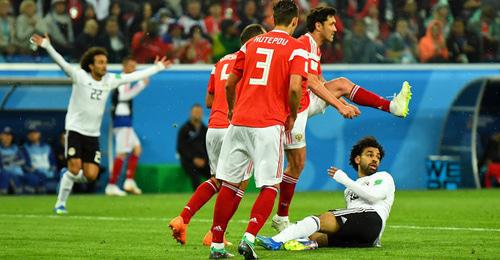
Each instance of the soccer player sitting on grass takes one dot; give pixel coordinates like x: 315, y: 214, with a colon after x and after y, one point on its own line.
x: 369, y: 200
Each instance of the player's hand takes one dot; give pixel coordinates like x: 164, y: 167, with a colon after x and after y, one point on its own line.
x: 357, y: 112
x: 164, y: 61
x: 38, y: 40
x: 331, y: 171
x: 199, y: 162
x: 290, y: 121
x: 347, y: 112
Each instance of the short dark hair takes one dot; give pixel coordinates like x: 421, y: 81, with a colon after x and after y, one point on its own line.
x: 319, y: 15
x: 127, y: 59
x: 284, y: 11
x: 365, y: 142
x: 88, y: 57
x: 251, y: 31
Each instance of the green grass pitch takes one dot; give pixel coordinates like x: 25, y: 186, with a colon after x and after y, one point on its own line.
x: 422, y: 225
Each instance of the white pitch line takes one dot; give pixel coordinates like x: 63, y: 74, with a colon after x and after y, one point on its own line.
x: 104, y: 218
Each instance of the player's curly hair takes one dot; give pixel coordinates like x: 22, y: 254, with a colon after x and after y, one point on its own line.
x: 88, y: 57
x: 319, y: 15
x: 284, y: 11
x: 365, y: 142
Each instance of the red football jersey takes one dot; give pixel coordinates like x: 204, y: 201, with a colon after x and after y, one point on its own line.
x: 314, y: 53
x: 217, y: 87
x: 265, y: 64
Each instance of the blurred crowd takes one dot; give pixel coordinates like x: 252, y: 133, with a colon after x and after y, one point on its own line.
x: 203, y: 31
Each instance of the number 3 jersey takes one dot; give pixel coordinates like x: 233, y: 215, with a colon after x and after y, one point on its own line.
x: 265, y: 64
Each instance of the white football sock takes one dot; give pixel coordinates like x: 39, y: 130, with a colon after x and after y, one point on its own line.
x: 65, y: 188
x: 303, y: 228
x: 249, y: 237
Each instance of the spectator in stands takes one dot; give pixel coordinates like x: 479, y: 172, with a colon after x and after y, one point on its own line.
x: 227, y: 41
x: 415, y: 22
x: 486, y: 25
x: 214, y: 19
x: 40, y: 162
x: 372, y: 23
x: 115, y: 10
x: 25, y: 26
x: 101, y: 8
x: 192, y: 17
x: 113, y: 40
x: 248, y: 14
x: 11, y: 163
x: 198, y: 49
x: 7, y: 33
x: 144, y: 15
x: 175, y: 39
x: 401, y: 47
x: 57, y: 24
x: 358, y: 48
x: 89, y: 13
x: 87, y: 39
x: 191, y: 146
x: 432, y: 47
x: 147, y: 45
x: 463, y: 47
x: 441, y: 12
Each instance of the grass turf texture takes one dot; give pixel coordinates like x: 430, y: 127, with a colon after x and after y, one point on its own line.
x: 424, y: 224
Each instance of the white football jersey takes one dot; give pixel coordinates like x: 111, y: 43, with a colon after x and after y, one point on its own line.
x: 380, y: 183
x: 88, y: 96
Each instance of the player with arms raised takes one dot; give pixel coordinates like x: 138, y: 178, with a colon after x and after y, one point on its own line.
x: 271, y: 68
x: 91, y: 87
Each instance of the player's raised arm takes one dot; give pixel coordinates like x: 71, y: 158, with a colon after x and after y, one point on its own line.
x: 159, y: 65
x: 129, y: 92
x: 373, y: 193
x: 44, y: 42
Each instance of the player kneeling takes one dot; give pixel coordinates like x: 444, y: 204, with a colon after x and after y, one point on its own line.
x: 369, y: 200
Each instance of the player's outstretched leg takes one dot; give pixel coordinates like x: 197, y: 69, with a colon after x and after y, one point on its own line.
x: 398, y: 106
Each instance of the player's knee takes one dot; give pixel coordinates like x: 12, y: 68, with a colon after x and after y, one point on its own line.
x: 244, y: 185
x: 74, y: 168
x: 91, y: 176
x: 328, y: 222
x: 217, y: 182
x: 121, y: 156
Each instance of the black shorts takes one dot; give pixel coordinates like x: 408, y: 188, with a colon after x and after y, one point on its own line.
x: 82, y: 147
x: 358, y: 228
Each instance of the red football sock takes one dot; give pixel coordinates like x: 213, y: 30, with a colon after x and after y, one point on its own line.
x: 367, y: 98
x: 222, y: 213
x: 203, y: 193
x: 117, y: 169
x: 131, y: 166
x: 287, y: 189
x: 237, y: 200
x: 261, y: 209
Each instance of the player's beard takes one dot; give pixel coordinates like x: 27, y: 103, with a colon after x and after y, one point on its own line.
x: 368, y: 170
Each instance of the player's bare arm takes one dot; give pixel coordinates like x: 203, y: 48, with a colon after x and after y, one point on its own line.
x: 209, y: 99
x: 294, y: 94
x: 231, y: 93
